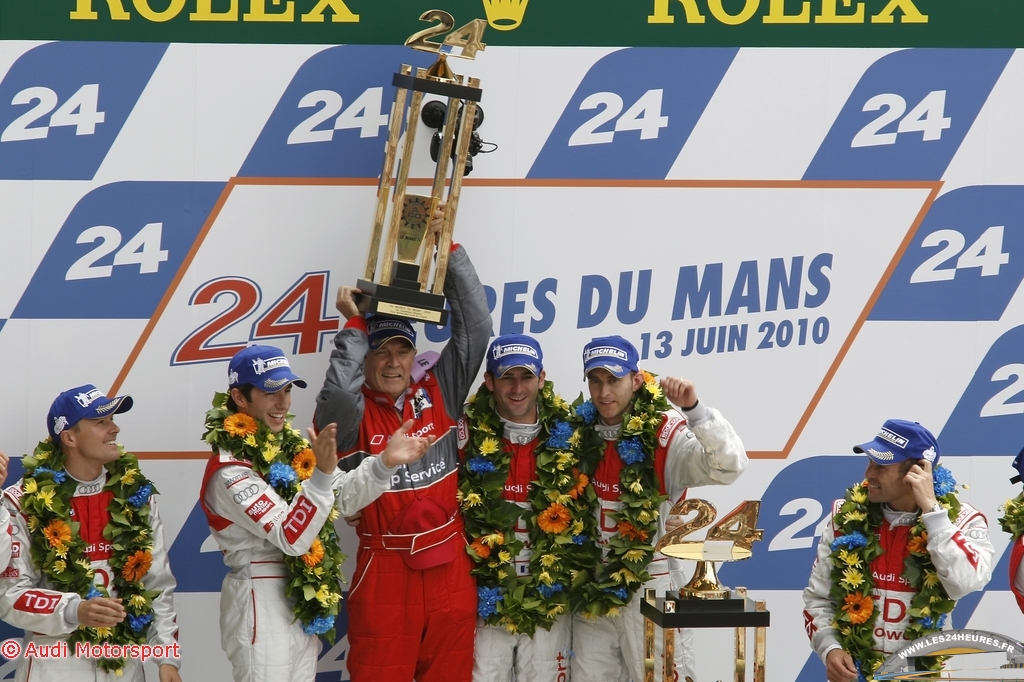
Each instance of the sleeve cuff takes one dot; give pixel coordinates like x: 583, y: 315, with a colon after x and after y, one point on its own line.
x: 381, y: 472
x: 936, y: 521
x: 698, y: 414
x: 356, y: 322
x: 71, y: 610
x: 320, y: 482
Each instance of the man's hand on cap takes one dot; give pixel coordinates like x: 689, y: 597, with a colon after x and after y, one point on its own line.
x: 680, y: 392
x: 346, y: 301
x: 919, y: 478
x: 325, y: 447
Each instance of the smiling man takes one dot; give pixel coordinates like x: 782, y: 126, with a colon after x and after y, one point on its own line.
x: 258, y: 514
x: 75, y: 562
x: 697, y: 447
x: 899, y: 534
x: 513, y: 385
x: 412, y: 605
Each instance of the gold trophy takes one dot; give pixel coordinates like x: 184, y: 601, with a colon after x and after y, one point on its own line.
x: 704, y: 602
x: 401, y: 290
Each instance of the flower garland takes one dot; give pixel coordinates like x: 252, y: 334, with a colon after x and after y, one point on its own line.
x: 853, y: 550
x: 284, y: 460
x: 630, y: 549
x: 1012, y: 520
x: 60, y: 551
x: 560, y: 518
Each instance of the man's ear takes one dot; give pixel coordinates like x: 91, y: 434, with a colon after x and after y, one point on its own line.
x: 238, y: 397
x: 489, y: 381
x: 67, y: 438
x: 638, y: 380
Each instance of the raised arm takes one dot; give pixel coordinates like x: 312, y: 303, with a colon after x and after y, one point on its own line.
x: 340, y: 401
x: 471, y: 331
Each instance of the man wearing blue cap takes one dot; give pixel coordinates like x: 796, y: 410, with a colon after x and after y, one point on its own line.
x: 517, y: 408
x: 89, y: 550
x: 901, y: 549
x: 266, y: 495
x: 626, y: 410
x: 412, y: 606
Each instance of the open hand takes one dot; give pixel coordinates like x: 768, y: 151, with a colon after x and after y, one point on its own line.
x: 325, y: 447
x: 402, y: 449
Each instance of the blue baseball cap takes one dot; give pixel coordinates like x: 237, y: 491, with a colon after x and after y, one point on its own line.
x: 382, y: 329
x: 613, y: 353
x: 264, y: 367
x: 898, y: 440
x: 514, y: 350
x: 82, y: 402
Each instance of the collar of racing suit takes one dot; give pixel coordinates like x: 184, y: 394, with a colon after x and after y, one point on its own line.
x: 607, y: 431
x: 92, y: 487
x: 520, y: 434
x: 899, y: 518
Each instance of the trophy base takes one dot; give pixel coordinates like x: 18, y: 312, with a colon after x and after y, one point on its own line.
x: 398, y: 301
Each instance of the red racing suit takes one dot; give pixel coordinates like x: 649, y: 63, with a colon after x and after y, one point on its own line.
x: 960, y: 550
x: 701, y: 449
x: 254, y: 528
x: 412, y: 601
x: 49, y: 616
x: 1017, y: 571
x: 545, y: 656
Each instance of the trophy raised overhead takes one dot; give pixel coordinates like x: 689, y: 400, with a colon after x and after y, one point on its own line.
x: 401, y: 286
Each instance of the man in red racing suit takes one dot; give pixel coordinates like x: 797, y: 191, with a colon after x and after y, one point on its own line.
x: 899, y: 477
x: 412, y: 602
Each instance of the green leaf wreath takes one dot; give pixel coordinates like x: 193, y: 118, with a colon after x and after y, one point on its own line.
x: 284, y: 460
x: 560, y: 518
x: 59, y: 550
x: 630, y: 550
x: 856, y: 546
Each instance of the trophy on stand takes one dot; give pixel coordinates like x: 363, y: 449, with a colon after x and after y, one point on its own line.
x: 704, y: 602
x: 400, y: 288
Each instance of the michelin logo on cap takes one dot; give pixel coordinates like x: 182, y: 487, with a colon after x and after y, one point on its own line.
x: 894, y: 438
x: 513, y: 348
x: 605, y: 352
x: 87, y: 399
x: 261, y: 366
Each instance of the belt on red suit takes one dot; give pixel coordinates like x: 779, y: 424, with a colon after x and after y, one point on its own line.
x: 414, y: 542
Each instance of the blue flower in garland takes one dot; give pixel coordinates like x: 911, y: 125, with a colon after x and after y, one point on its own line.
x: 579, y: 539
x: 943, y: 481
x: 560, y: 434
x: 587, y: 412
x: 619, y: 592
x: 854, y: 540
x: 93, y: 592
x: 631, y: 450
x: 930, y: 622
x: 281, y: 474
x: 480, y: 465
x: 547, y: 590
x: 860, y: 675
x: 319, y: 625
x: 58, y: 476
x: 141, y: 496
x: 138, y: 623
x: 487, y: 600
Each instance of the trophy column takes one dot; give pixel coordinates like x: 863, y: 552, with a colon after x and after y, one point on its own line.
x: 398, y: 287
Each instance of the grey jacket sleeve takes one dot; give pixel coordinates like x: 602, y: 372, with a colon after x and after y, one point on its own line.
x: 471, y: 331
x: 341, y: 399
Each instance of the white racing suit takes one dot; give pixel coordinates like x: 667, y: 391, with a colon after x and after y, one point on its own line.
x: 960, y: 550
x: 5, y: 538
x: 545, y: 656
x: 255, y: 528
x: 702, y: 449
x: 49, y: 616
